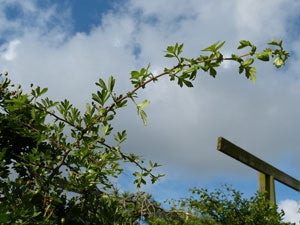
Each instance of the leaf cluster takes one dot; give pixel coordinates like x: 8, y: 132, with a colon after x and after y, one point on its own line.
x: 62, y: 159
x: 187, y: 68
x: 223, y: 206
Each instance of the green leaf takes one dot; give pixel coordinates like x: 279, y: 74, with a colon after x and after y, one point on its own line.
x: 188, y: 83
x: 143, y: 72
x: 120, y: 137
x: 169, y: 55
x: 101, y: 97
x: 273, y: 42
x: 143, y: 116
x: 111, y: 83
x: 143, y: 181
x: 180, y: 81
x: 179, y: 50
x: 253, y: 50
x: 121, y: 104
x: 243, y: 44
x: 247, y: 62
x: 104, y: 96
x: 193, y: 75
x: 135, y: 74
x: 264, y: 56
x: 102, y: 84
x: 241, y: 69
x: 151, y: 164
x: 4, y: 218
x: 211, y: 48
x: 2, y: 153
x: 171, y: 49
x: 35, y: 214
x: 105, y: 129
x: 44, y: 90
x: 172, y: 77
x: 278, y: 62
x: 212, y: 72
x: 252, y: 72
x: 190, y: 70
x: 205, y: 68
x: 97, y: 98
x: 236, y: 58
x: 143, y: 104
x: 220, y: 46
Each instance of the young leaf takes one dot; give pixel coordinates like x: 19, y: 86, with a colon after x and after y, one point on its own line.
x: 120, y: 137
x: 135, y: 74
x: 171, y: 49
x: 143, y: 104
x: 96, y: 98
x: 180, y: 82
x: 241, y: 69
x: 111, y: 83
x: 236, y: 58
x: 44, y: 90
x: 212, y: 72
x: 188, y: 83
x: 278, y: 62
x: 264, y: 56
x: 179, y: 49
x: 252, y: 72
x: 105, y: 129
x: 243, y: 44
x: 169, y: 55
x: 193, y: 75
x: 101, y: 84
x: 220, y: 46
x: 273, y: 42
x: 143, y: 116
x: 248, y: 62
x: 211, y: 48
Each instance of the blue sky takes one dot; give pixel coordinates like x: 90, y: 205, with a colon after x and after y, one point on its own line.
x: 68, y: 45
x: 85, y: 14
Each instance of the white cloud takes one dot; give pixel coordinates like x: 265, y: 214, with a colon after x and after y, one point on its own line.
x: 10, y: 53
x: 291, y: 209
x: 29, y: 19
x: 183, y: 123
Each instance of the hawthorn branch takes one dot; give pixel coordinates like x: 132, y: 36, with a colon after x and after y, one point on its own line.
x: 60, y: 146
x: 57, y: 117
x: 130, y: 159
x: 143, y: 84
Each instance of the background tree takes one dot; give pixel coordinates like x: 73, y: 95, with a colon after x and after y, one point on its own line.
x: 222, y: 206
x: 58, y: 163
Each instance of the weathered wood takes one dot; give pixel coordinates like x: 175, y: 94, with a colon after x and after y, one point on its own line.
x: 267, y: 186
x: 256, y: 163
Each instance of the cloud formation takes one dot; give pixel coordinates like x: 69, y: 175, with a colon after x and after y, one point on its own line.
x: 10, y: 51
x: 291, y: 209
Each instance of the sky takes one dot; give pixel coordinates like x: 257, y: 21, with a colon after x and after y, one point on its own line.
x: 68, y: 45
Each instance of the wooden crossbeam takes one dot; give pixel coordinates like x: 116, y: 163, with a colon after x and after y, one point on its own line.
x: 250, y: 160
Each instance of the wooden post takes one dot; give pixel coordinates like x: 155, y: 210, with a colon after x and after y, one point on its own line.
x: 267, y: 172
x: 266, y: 185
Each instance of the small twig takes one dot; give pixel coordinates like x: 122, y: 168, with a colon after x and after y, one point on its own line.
x: 57, y: 117
x: 126, y: 157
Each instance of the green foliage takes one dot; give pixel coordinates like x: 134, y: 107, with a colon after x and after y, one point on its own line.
x: 58, y: 164
x: 224, y: 206
x: 187, y: 68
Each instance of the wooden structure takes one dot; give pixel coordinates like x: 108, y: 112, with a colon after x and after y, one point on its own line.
x: 266, y: 172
